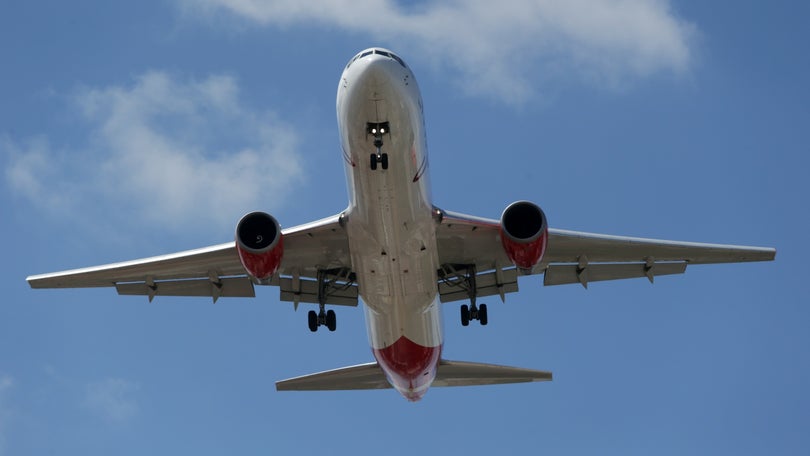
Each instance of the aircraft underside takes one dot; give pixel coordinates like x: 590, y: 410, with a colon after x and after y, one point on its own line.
x: 392, y: 250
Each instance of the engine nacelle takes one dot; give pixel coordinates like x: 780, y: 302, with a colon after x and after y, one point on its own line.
x: 524, y: 233
x: 259, y: 244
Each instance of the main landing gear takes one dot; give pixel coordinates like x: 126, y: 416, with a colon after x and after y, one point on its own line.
x: 329, y: 280
x: 378, y: 129
x: 328, y: 319
x: 474, y: 313
x: 464, y: 276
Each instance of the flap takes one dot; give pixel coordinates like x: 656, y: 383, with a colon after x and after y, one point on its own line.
x: 229, y: 287
x: 344, y: 294
x: 486, y: 285
x: 561, y: 274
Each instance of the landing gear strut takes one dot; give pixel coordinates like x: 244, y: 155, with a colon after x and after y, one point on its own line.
x: 327, y: 282
x: 464, y: 276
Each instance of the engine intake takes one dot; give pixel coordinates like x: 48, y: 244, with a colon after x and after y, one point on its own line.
x: 259, y: 244
x: 524, y: 233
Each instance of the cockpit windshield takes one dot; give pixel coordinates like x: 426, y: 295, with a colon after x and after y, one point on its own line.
x: 377, y: 51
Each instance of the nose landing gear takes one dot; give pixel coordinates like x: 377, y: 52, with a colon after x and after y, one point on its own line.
x: 378, y: 129
x: 379, y: 158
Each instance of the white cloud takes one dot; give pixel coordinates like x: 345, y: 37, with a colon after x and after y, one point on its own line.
x: 30, y: 171
x: 502, y: 49
x: 112, y: 399
x: 163, y: 150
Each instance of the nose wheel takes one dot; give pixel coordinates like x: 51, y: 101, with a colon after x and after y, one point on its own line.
x: 377, y: 130
x: 379, y: 159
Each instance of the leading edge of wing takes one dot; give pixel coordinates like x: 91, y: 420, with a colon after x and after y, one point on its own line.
x: 221, y: 258
x: 566, y: 246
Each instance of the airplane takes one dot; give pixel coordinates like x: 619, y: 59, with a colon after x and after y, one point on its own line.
x: 396, y: 252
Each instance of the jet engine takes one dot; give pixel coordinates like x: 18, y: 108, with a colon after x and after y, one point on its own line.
x: 259, y: 244
x: 524, y: 233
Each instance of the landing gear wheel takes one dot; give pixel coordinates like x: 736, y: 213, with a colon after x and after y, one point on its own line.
x: 312, y: 318
x: 331, y: 320
x: 384, y: 161
x: 463, y: 276
x: 465, y: 315
x: 482, y: 314
x: 374, y: 162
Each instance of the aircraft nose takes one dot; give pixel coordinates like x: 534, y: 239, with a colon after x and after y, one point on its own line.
x: 377, y: 72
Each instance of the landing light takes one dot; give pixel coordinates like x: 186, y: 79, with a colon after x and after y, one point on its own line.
x: 377, y: 128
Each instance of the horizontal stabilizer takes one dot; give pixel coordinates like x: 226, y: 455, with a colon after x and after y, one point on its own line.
x: 359, y: 377
x: 462, y: 373
x: 450, y: 373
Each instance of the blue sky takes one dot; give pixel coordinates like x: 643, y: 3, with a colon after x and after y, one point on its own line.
x: 134, y: 129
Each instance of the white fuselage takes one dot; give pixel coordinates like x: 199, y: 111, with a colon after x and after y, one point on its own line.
x: 390, y: 223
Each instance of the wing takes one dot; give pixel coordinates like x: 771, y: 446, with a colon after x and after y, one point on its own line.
x: 571, y: 257
x: 576, y: 257
x: 217, y: 272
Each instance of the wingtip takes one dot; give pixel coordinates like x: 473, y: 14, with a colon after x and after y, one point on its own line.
x: 34, y: 281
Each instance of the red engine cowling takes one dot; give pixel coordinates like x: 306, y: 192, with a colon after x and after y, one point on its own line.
x: 524, y: 233
x: 259, y: 244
